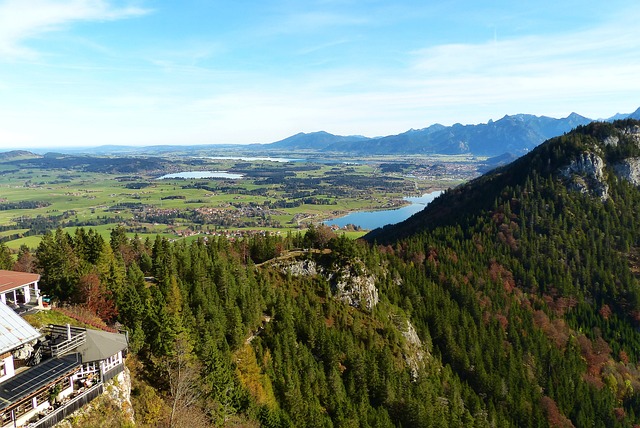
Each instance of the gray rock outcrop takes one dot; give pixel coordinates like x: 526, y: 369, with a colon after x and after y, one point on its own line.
x: 301, y: 268
x: 633, y: 132
x: 351, y: 284
x: 585, y: 174
x: 413, y: 352
x: 628, y: 169
x: 357, y: 290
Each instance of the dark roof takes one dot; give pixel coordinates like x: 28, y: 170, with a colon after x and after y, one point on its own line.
x: 11, y: 280
x: 30, y: 381
x: 101, y: 345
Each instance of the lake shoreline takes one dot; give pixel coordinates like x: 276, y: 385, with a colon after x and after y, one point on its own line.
x: 374, y: 218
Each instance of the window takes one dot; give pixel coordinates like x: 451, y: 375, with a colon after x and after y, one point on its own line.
x: 111, y: 362
x: 22, y: 409
x: 42, y: 397
x: 3, y: 371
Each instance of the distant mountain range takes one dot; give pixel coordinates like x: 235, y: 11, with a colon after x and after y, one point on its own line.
x: 515, y: 134
x: 320, y: 140
x: 512, y: 134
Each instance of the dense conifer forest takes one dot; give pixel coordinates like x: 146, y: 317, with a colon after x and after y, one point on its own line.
x: 512, y: 301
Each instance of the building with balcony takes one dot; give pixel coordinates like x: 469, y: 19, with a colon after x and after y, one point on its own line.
x: 19, y: 289
x: 47, y: 375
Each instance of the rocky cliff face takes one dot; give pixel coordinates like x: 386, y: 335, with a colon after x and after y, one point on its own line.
x: 632, y: 132
x: 585, y: 174
x: 351, y: 284
x: 119, y: 391
x: 628, y: 169
x: 355, y: 287
x: 301, y: 268
x: 413, y: 351
x: 117, y: 396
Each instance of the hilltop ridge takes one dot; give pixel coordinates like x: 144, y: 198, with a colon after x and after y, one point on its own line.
x: 17, y: 155
x: 592, y: 155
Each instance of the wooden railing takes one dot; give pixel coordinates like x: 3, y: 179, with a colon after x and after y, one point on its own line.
x: 68, y: 408
x: 60, y: 343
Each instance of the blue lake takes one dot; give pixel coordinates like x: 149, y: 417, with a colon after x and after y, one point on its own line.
x: 374, y: 219
x: 202, y: 174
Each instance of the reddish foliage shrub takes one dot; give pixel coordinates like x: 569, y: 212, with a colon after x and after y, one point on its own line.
x: 96, y: 298
x: 556, y: 330
x: 605, y: 311
x: 624, y: 357
x: 554, y: 416
x: 84, y: 316
x: 497, y: 272
x: 503, y: 321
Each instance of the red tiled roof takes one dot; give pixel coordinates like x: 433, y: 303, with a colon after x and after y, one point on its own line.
x: 10, y: 280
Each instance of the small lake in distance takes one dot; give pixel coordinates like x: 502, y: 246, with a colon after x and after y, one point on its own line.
x: 374, y: 219
x: 203, y: 174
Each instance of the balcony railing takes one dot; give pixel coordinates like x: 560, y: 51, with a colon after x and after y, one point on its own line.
x: 67, y: 408
x: 60, y: 343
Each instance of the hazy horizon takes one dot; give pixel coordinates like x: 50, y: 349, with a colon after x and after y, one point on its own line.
x: 86, y: 73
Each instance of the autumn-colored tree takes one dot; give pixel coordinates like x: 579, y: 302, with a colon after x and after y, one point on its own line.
x: 95, y: 297
x: 319, y: 236
x: 605, y: 311
x: 26, y: 261
x: 554, y: 415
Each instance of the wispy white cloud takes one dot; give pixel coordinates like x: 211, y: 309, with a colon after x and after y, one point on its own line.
x: 307, y: 22
x: 322, y: 47
x: 196, y: 91
x: 530, y: 55
x: 21, y: 20
x: 560, y: 68
x: 592, y: 72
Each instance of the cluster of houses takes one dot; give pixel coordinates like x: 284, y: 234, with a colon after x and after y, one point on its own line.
x: 47, y: 374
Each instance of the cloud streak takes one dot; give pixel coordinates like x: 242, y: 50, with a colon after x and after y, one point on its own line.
x: 21, y: 20
x: 295, y: 71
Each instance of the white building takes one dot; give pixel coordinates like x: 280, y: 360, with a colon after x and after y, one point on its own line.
x: 18, y: 288
x: 71, y: 365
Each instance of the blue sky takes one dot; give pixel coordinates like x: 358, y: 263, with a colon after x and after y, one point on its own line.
x: 142, y: 72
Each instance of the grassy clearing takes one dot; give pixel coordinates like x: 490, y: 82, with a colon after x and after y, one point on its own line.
x: 73, y: 197
x: 44, y: 318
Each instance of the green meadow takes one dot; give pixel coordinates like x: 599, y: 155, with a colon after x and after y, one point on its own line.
x: 278, y: 197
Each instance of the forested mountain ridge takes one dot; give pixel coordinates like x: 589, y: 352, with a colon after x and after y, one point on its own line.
x: 518, y: 308
x: 584, y: 160
x: 548, y: 244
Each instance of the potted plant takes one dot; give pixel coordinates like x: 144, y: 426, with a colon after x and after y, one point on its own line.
x: 54, y: 391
